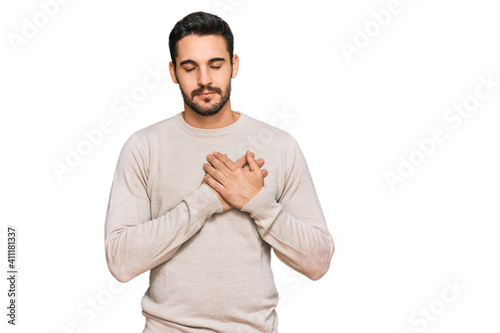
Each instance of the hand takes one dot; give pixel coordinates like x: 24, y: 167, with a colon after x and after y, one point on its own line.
x: 236, y: 185
x: 242, y: 163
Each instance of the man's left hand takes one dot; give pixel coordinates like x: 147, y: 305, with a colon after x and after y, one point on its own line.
x: 235, y: 184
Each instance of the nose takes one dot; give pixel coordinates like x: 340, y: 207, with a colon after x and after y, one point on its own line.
x: 204, y: 77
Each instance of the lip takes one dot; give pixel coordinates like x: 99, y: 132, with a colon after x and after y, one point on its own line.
x: 206, y: 94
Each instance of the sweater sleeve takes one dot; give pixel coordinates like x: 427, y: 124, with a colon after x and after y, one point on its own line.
x: 294, y: 225
x: 136, y: 243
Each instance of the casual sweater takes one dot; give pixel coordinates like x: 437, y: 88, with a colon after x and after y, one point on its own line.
x: 210, y: 270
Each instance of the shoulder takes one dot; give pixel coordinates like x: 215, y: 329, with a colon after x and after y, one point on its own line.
x: 267, y: 133
x: 152, y: 134
x: 157, y: 129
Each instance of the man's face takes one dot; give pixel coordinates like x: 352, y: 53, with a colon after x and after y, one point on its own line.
x: 204, y: 73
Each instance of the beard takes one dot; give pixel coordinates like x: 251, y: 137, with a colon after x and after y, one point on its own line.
x: 210, y: 110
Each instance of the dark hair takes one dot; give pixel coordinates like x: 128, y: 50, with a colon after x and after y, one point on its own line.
x: 202, y: 24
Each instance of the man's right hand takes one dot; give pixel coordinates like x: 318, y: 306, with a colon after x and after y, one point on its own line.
x: 242, y: 163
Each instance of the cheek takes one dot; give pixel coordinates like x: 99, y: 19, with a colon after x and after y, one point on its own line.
x: 222, y: 81
x: 188, y: 88
x: 187, y: 81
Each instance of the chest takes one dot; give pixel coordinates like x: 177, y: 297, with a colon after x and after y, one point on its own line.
x: 177, y: 170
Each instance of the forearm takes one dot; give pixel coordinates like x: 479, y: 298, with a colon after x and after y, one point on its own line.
x: 303, y: 244
x: 134, y: 248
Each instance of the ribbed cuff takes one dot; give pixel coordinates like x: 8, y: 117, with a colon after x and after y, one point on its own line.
x: 207, y: 199
x: 263, y: 206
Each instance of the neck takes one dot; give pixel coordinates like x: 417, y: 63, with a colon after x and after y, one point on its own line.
x: 223, y: 118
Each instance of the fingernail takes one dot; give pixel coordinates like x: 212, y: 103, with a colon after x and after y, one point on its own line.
x: 216, y: 153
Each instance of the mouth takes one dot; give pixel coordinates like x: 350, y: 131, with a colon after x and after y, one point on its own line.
x: 206, y: 94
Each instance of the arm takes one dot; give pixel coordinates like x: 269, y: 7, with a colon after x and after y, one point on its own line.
x: 294, y: 225
x: 136, y: 243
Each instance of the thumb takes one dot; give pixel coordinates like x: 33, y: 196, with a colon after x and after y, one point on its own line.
x: 252, y: 164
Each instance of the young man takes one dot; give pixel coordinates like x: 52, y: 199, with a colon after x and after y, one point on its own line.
x: 189, y: 202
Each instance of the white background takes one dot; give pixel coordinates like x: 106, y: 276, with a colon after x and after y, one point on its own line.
x: 397, y: 251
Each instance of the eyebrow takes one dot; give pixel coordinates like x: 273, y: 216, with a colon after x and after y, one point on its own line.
x: 189, y: 61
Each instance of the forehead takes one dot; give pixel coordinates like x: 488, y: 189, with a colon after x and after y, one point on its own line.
x: 201, y: 48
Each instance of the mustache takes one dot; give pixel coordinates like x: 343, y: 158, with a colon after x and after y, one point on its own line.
x: 206, y: 88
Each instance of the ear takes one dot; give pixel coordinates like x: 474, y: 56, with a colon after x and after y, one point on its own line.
x: 171, y: 68
x: 236, y: 66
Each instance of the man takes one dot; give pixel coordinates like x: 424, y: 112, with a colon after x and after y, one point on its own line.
x: 189, y: 201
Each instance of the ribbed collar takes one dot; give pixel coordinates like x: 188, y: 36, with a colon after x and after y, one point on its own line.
x: 233, y: 128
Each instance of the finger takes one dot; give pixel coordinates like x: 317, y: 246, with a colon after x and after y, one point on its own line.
x: 241, y: 162
x: 226, y: 160
x: 265, y: 172
x: 246, y: 164
x: 252, y: 164
x: 260, y: 162
x: 216, y: 174
x: 217, y: 164
x: 218, y: 187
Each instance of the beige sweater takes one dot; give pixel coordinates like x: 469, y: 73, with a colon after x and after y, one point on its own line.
x: 210, y: 271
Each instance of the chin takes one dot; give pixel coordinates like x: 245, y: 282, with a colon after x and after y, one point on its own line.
x: 207, y: 113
